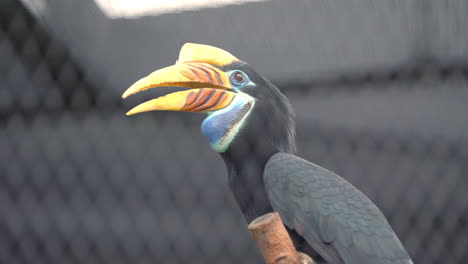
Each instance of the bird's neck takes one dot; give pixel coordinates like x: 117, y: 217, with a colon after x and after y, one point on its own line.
x: 245, y: 176
x: 270, y: 130
x: 246, y: 159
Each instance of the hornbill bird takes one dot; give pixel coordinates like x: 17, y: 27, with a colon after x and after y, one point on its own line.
x: 251, y: 124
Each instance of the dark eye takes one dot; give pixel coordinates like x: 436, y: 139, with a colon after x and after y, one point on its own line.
x: 238, y: 77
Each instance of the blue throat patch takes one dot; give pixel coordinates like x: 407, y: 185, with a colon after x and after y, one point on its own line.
x: 221, y: 127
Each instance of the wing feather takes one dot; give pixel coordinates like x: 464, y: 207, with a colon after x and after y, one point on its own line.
x: 334, y: 217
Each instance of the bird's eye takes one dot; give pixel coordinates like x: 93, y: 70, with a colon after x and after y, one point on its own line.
x: 238, y: 77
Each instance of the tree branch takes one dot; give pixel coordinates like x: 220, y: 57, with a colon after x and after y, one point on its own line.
x: 274, y: 241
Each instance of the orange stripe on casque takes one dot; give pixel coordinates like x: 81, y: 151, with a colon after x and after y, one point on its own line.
x: 203, y: 75
x: 189, y: 73
x: 212, y: 101
x: 202, y: 72
x: 216, y: 79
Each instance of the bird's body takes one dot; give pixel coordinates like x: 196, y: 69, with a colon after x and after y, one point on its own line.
x: 251, y: 196
x: 338, y: 221
x: 251, y: 124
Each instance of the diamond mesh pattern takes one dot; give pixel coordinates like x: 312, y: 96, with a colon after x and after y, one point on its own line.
x: 81, y: 183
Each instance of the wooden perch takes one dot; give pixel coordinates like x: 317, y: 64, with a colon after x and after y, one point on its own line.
x: 274, y: 241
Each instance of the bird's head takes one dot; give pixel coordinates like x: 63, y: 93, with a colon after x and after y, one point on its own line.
x: 242, y: 106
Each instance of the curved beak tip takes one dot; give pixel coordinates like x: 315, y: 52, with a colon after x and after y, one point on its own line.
x: 132, y: 112
x: 127, y: 93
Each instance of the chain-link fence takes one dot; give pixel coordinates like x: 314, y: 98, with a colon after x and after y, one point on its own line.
x: 82, y: 183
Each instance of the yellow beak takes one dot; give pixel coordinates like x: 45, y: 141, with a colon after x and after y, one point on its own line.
x: 210, y: 88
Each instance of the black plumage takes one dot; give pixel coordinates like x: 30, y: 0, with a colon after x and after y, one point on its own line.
x: 327, y: 217
x: 335, y: 218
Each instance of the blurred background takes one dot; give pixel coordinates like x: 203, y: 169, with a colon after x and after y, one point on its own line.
x: 380, y: 89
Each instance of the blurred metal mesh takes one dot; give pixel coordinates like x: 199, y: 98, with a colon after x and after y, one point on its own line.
x: 81, y: 183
